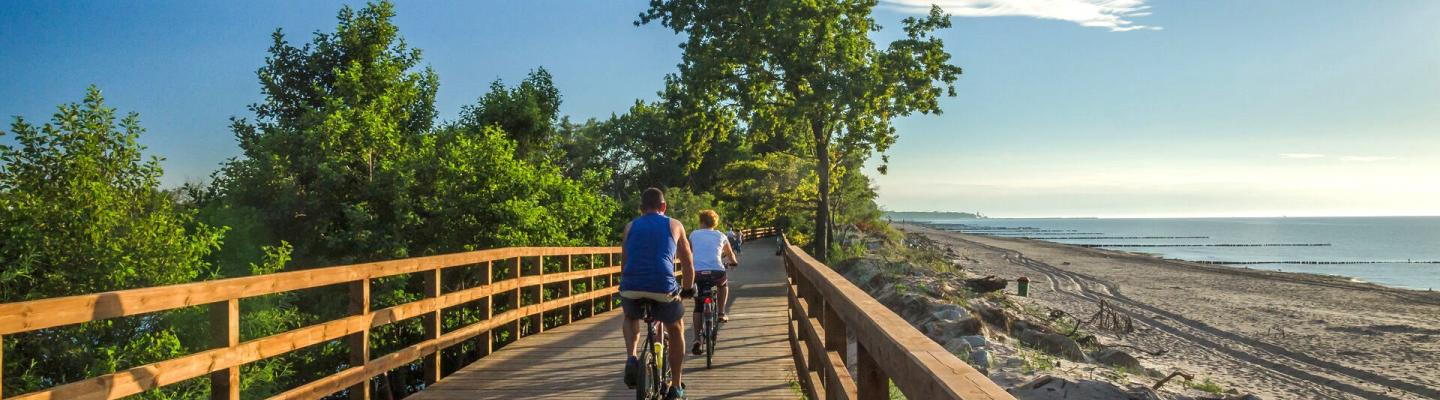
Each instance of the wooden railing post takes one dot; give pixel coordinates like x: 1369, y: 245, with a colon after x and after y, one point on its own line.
x: 870, y: 381
x: 225, y: 332
x: 519, y: 272
x: 538, y: 319
x: 2, y: 366
x: 610, y: 281
x: 359, y: 342
x: 591, y: 288
x: 816, y: 357
x: 489, y: 307
x: 431, y: 365
x: 569, y: 285
x: 835, y: 333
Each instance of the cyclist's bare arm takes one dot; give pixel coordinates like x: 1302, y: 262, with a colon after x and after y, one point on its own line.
x: 729, y: 254
x: 682, y: 252
x: 624, y: 235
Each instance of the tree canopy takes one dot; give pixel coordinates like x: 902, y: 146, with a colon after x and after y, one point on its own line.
x: 805, y: 76
x: 81, y: 212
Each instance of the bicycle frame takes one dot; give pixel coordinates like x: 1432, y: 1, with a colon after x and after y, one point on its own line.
x: 709, y: 324
x: 655, y: 371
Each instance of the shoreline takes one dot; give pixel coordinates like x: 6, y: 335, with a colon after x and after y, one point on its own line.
x: 1240, y: 268
x: 1233, y: 265
x: 1277, y: 334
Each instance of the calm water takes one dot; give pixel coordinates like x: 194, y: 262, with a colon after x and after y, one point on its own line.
x: 1383, y: 245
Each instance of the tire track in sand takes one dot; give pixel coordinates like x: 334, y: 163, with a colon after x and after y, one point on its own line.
x: 1109, y: 291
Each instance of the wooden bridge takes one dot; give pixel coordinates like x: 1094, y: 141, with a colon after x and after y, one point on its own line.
x: 547, y: 330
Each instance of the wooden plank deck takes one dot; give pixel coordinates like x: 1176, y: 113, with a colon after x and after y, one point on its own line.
x: 585, y: 359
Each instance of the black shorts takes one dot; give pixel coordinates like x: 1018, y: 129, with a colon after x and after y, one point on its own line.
x: 708, y: 280
x: 664, y: 312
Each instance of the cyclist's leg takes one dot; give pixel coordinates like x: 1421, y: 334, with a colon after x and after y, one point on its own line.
x: 630, y: 325
x: 630, y: 331
x: 672, y: 315
x: 722, y: 297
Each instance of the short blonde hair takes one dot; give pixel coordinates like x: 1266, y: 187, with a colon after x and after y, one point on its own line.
x: 709, y: 219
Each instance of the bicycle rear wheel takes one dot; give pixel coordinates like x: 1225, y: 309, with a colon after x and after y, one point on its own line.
x: 711, y: 325
x: 644, y: 382
x: 662, y: 362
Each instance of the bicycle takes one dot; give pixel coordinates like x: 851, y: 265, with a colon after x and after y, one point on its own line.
x: 709, y: 323
x: 709, y: 319
x: 654, y: 371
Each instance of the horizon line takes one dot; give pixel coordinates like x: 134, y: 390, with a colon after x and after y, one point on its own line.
x: 1205, y: 216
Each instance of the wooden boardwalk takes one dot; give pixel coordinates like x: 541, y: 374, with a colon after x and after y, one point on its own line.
x: 585, y: 359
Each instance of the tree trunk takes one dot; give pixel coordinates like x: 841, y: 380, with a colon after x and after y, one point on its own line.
x: 822, y: 210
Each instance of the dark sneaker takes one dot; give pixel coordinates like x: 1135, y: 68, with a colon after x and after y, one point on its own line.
x: 676, y: 393
x: 697, y: 349
x: 632, y: 368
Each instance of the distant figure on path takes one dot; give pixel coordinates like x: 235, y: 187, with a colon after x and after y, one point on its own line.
x: 652, y: 244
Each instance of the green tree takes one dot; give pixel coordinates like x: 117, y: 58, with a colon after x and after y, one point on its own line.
x: 322, y: 163
x: 806, y: 74
x: 80, y: 212
x: 529, y: 114
x: 474, y: 193
x: 649, y: 146
x: 326, y: 168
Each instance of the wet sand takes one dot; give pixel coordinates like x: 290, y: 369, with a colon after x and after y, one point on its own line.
x: 1278, y: 335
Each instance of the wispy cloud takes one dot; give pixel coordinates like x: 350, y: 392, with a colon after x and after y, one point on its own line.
x: 1368, y: 158
x: 1114, y: 15
x: 1301, y: 155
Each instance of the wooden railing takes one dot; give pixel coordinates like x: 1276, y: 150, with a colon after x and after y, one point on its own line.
x: 223, y: 362
x: 757, y: 233
x: 826, y: 311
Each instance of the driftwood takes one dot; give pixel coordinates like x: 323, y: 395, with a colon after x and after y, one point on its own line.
x: 1188, y: 377
x: 1107, y: 319
x: 986, y: 285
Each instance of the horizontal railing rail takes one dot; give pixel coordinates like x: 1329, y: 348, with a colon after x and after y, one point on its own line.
x: 223, y: 362
x: 759, y: 232
x: 827, y: 312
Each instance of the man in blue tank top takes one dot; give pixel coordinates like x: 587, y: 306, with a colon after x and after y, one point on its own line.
x: 653, y: 242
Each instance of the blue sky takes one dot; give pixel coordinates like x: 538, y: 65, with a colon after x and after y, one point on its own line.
x: 1066, y: 107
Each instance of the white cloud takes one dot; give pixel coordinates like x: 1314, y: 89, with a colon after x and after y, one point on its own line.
x: 1368, y: 158
x: 1110, y: 14
x: 1301, y: 155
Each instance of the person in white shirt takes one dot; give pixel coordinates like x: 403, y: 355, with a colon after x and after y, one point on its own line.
x: 713, y: 257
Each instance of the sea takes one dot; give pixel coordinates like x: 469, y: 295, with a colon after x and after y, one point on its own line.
x: 1401, y: 252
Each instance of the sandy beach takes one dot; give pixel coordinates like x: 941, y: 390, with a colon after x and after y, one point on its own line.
x: 1278, y: 335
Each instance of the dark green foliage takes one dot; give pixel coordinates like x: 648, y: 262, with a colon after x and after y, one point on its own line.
x: 80, y: 212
